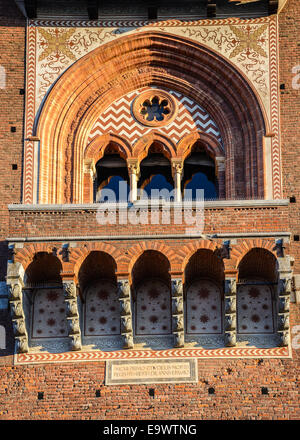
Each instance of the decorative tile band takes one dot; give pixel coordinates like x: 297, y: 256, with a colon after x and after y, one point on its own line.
x: 94, y: 356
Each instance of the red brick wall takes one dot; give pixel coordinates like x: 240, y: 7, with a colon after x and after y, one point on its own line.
x: 289, y: 57
x: 69, y: 389
x: 12, y: 52
x: 227, y: 219
x: 70, y: 392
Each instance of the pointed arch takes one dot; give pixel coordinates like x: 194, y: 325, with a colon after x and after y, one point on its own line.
x: 141, y: 147
x: 210, y: 143
x: 96, y: 148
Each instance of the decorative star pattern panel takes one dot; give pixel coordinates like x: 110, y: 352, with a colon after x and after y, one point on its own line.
x: 153, y: 308
x: 203, y: 308
x: 254, y: 309
x: 102, y: 310
x: 49, y: 314
x: 117, y: 118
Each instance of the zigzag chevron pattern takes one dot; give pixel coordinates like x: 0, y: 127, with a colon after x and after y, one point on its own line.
x: 275, y: 112
x: 117, y: 118
x: 92, y: 356
x: 142, y: 23
x: 30, y: 114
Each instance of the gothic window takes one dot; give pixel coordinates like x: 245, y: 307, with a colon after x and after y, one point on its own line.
x: 156, y: 177
x: 199, y: 173
x: 112, y: 180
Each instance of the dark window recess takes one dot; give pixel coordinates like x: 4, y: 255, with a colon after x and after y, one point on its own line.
x: 152, y: 13
x: 22, y: 91
x: 292, y: 199
x: 264, y: 390
x: 152, y: 392
x: 13, y: 129
x: 282, y: 86
x: 40, y: 395
x: 296, y: 237
x: 98, y: 393
x: 211, y: 391
x: 14, y: 166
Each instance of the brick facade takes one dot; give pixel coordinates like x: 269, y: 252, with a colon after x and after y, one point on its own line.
x: 70, y: 388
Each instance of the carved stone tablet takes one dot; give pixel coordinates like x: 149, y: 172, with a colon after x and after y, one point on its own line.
x: 151, y: 371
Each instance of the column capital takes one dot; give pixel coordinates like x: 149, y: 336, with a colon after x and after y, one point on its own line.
x: 89, y: 167
x: 177, y: 166
x: 231, y: 274
x: 133, y: 166
x: 67, y: 274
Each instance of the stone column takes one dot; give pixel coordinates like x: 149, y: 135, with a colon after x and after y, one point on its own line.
x: 134, y: 175
x: 125, y: 312
x: 177, y: 171
x: 230, y: 312
x: 177, y: 313
x: 15, y: 283
x: 220, y: 173
x: 70, y: 294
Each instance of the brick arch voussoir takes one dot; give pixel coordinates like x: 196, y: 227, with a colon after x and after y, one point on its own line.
x: 187, y: 251
x: 141, y: 147
x: 137, y: 250
x: 212, y: 145
x: 78, y: 255
x: 238, y: 252
x: 26, y: 255
x: 96, y: 148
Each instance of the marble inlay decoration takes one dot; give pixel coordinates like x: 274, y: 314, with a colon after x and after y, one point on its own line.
x: 153, y: 308
x: 118, y: 119
x: 102, y: 310
x: 49, y: 314
x: 255, y: 309
x: 203, y: 308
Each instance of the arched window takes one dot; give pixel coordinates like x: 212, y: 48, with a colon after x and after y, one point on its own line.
x: 204, y: 274
x: 48, y: 315
x: 155, y: 174
x: 255, y: 297
x: 199, y: 173
x: 112, y: 180
x: 98, y: 285
x: 151, y: 283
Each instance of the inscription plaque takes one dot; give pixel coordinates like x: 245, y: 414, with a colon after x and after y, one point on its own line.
x: 150, y: 371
